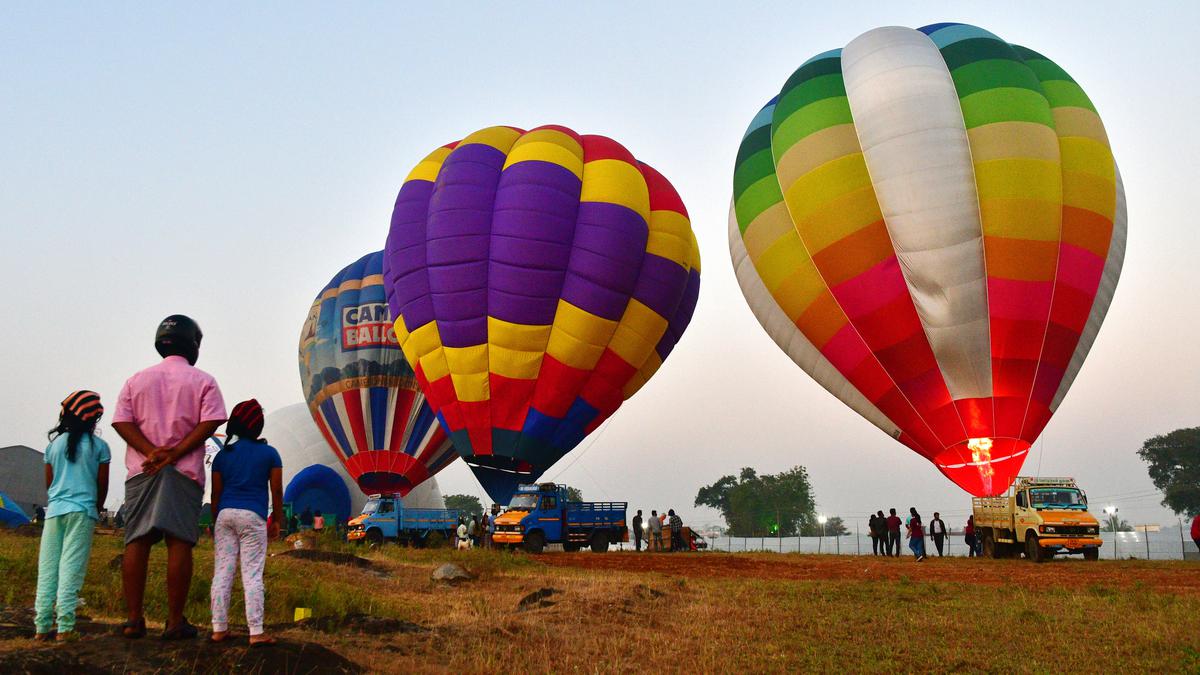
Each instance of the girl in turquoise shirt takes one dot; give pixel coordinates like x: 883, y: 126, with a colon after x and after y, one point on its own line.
x: 76, y: 483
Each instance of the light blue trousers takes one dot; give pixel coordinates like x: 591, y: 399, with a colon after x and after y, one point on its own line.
x: 62, y: 564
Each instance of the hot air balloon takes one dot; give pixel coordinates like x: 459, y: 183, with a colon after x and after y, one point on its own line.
x: 360, y: 390
x: 931, y: 224
x: 538, y: 279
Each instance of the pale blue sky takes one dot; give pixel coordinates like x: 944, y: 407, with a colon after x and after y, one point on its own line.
x: 225, y: 161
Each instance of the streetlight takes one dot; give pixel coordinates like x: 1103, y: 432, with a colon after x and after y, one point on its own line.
x: 1112, y: 525
x: 822, y: 520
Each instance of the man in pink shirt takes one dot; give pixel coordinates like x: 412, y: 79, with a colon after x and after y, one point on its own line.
x: 165, y: 413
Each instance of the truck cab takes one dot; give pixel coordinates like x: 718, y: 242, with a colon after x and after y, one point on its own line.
x: 385, y: 518
x: 1041, y: 517
x: 540, y: 514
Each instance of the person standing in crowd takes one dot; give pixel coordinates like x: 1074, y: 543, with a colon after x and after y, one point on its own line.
x: 676, y: 530
x: 76, y: 483
x: 464, y: 541
x: 318, y: 522
x: 656, y: 542
x: 937, y: 532
x: 878, y: 531
x: 1196, y: 530
x: 473, y: 532
x: 165, y: 413
x: 916, y: 534
x: 969, y: 536
x: 893, y: 533
x: 491, y: 526
x: 483, y: 530
x: 39, y: 515
x: 637, y: 531
x: 306, y: 518
x: 241, y: 473
x: 294, y: 523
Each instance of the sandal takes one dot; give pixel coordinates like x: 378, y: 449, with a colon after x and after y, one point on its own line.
x: 184, y: 631
x: 263, y: 642
x: 225, y: 637
x: 43, y: 637
x: 134, y: 630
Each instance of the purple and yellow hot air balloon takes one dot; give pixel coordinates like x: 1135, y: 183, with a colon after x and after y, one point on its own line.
x: 360, y: 389
x: 538, y: 279
x: 931, y: 224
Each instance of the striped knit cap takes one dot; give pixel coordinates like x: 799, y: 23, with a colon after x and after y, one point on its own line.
x: 246, y: 420
x: 83, y: 404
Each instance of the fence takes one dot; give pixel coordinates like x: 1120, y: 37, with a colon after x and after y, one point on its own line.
x: 1163, y: 545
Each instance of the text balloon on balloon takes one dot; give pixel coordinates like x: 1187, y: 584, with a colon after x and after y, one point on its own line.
x: 361, y: 391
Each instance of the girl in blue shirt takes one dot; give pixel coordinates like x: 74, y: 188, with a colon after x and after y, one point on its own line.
x: 76, y: 483
x: 241, y: 473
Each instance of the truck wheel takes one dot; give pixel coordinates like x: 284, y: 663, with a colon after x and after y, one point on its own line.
x: 989, y: 546
x: 1091, y: 554
x: 535, y: 542
x: 374, y: 537
x: 599, y: 542
x: 1033, y: 549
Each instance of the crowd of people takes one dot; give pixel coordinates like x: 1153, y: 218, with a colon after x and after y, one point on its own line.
x: 475, y: 531
x: 164, y: 414
x: 651, y: 530
x: 885, y: 534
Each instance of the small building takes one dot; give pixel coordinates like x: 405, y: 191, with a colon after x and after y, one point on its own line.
x: 22, y: 477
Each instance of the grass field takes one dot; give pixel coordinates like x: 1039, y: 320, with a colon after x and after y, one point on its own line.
x: 630, y: 612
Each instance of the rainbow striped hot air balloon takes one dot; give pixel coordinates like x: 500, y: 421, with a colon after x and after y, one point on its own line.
x: 361, y: 391
x: 538, y: 279
x: 931, y: 224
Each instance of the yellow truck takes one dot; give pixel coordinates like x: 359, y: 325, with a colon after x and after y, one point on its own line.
x: 1040, y: 517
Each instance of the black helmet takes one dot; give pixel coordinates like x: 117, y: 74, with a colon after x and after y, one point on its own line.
x: 178, y: 335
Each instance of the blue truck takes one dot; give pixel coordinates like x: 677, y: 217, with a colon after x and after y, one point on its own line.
x: 540, y: 514
x: 385, y: 518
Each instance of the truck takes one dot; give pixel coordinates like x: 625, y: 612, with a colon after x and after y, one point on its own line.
x: 385, y: 518
x: 540, y: 514
x: 1041, y: 517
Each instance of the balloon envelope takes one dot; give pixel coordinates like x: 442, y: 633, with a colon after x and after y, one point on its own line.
x: 931, y: 224
x: 538, y: 279
x: 361, y: 391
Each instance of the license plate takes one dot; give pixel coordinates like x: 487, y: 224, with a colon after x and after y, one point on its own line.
x: 1074, y: 543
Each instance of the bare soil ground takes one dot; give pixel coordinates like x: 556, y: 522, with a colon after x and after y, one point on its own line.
x: 378, y: 611
x: 1162, y: 577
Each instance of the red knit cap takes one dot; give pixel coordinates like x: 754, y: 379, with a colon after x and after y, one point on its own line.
x: 246, y: 420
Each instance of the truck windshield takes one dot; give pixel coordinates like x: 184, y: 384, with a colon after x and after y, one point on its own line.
x: 524, y: 502
x: 1057, y: 498
x: 371, y: 507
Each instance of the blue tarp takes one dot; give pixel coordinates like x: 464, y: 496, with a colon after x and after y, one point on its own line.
x: 318, y: 488
x: 11, y: 514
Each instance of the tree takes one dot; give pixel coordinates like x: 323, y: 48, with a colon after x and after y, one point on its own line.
x: 467, y: 505
x: 834, y: 527
x: 574, y: 494
x: 1174, y: 461
x: 1113, y: 522
x: 761, y: 505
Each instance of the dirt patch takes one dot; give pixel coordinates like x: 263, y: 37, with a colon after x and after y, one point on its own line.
x: 329, y: 557
x: 100, y: 649
x: 360, y: 623
x: 1177, y: 579
x: 537, y: 599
